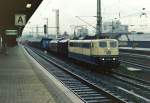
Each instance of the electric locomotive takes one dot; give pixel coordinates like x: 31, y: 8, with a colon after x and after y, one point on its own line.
x: 102, y: 52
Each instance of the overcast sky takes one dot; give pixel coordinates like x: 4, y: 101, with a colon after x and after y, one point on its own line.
x: 130, y: 11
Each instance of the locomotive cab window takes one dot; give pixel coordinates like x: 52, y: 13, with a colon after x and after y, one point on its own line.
x: 103, y: 44
x: 113, y: 44
x: 86, y: 45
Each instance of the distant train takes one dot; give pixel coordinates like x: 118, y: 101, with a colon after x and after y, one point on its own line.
x: 99, y: 52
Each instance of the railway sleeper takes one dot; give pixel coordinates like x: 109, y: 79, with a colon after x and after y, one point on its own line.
x: 96, y: 97
x: 87, y: 95
x: 83, y: 90
x: 87, y: 92
x: 99, y: 101
x: 73, y: 88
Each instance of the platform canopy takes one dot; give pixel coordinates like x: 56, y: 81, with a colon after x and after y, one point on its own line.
x: 8, y: 9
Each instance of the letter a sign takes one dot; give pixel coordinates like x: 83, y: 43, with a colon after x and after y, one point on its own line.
x: 20, y: 19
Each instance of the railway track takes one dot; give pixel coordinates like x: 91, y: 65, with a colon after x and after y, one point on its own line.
x: 135, y: 64
x: 141, y: 84
x: 114, y: 90
x: 138, y: 58
x: 142, y: 61
x: 137, y: 80
x: 87, y: 91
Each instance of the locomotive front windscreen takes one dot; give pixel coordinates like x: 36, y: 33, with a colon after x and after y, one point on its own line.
x: 103, y: 44
x: 113, y: 44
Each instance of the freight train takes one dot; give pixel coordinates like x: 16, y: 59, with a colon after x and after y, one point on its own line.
x: 98, y: 52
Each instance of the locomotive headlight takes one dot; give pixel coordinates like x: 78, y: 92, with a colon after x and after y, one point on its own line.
x: 103, y: 59
x: 114, y: 58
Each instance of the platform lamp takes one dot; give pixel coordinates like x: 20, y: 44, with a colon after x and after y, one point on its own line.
x: 29, y: 5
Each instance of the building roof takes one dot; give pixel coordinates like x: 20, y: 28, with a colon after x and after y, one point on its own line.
x: 8, y: 9
x: 136, y: 37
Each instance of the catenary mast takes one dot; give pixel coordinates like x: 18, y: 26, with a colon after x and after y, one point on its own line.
x: 99, y: 19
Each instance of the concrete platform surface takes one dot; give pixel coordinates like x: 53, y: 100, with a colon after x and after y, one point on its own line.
x: 18, y: 81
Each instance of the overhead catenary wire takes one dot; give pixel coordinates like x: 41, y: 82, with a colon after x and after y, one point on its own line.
x: 86, y: 22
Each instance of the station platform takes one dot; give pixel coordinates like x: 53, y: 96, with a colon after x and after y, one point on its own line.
x: 18, y: 81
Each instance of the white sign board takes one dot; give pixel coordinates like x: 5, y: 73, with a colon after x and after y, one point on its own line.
x: 20, y: 19
x: 11, y: 32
